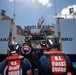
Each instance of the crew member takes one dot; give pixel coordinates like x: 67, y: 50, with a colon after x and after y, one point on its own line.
x: 26, y: 48
x: 43, y: 47
x: 28, y: 52
x: 15, y: 64
x: 55, y: 62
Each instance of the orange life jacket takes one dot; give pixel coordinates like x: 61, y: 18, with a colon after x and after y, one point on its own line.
x: 14, y: 64
x: 58, y: 62
x: 69, y: 73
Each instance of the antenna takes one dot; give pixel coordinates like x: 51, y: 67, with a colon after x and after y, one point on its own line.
x: 14, y: 10
x: 55, y: 8
x: 45, y: 15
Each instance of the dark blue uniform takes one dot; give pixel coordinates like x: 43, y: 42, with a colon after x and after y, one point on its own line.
x: 47, y: 66
x: 28, y: 52
x: 24, y: 66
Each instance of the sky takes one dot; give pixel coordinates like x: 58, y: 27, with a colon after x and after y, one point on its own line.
x: 27, y: 12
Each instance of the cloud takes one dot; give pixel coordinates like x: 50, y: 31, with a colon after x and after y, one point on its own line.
x: 45, y: 2
x: 33, y: 1
x: 10, y: 0
x: 20, y: 0
x: 14, y: 0
x: 65, y: 12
